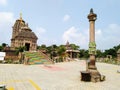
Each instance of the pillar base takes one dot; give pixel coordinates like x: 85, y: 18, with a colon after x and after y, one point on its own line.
x: 92, y: 76
x: 95, y: 75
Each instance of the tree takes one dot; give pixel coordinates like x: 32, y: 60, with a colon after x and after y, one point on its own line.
x: 116, y: 47
x: 99, y: 53
x: 61, y: 49
x: 110, y: 52
x: 4, y: 45
x: 1, y: 48
x: 84, y: 53
x: 20, y: 49
x: 74, y: 47
x: 43, y: 46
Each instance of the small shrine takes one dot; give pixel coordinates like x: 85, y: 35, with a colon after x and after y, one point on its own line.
x: 71, y: 53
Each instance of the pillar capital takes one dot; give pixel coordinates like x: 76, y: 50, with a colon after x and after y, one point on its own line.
x: 92, y: 16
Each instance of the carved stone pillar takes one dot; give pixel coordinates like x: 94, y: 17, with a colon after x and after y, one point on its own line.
x: 92, y: 45
x: 95, y: 75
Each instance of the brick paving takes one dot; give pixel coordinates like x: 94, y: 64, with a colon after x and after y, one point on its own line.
x: 60, y: 76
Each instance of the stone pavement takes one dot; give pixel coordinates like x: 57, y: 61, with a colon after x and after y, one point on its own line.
x: 60, y: 76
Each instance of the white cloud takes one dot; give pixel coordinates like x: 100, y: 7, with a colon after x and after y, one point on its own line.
x: 73, y: 35
x: 6, y: 22
x: 6, y: 17
x: 108, y: 37
x: 98, y: 32
x: 3, y: 2
x: 40, y: 30
x: 105, y: 38
x: 42, y: 36
x: 66, y: 18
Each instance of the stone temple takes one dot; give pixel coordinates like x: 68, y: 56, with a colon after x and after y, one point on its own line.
x: 22, y: 35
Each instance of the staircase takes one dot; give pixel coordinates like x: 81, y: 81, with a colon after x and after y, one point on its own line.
x: 37, y: 58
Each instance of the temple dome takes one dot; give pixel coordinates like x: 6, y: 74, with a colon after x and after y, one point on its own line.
x: 26, y: 34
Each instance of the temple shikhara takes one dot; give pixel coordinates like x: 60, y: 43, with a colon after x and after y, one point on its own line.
x: 22, y: 35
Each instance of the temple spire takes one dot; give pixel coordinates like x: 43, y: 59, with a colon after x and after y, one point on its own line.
x: 20, y: 16
x: 21, y: 20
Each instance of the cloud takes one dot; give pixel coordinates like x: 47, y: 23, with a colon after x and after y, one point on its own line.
x: 6, y: 18
x: 105, y: 38
x: 6, y: 22
x: 66, y: 18
x: 44, y: 38
x: 73, y: 35
x: 3, y: 2
x: 40, y: 32
x: 108, y: 37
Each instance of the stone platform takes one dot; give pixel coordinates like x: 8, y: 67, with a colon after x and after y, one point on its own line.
x: 60, y: 76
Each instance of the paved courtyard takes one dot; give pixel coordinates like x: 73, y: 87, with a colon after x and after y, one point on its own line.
x: 60, y: 76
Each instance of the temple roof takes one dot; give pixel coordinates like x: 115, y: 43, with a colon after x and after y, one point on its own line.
x: 26, y: 34
x: 22, y: 30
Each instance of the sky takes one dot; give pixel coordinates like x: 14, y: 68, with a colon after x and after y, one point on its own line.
x: 59, y: 21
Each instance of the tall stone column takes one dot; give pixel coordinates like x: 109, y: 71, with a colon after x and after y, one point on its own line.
x: 95, y: 75
x: 92, y: 45
x: 91, y: 73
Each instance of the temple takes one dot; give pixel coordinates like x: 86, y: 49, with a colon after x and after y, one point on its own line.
x: 22, y: 36
x: 71, y: 53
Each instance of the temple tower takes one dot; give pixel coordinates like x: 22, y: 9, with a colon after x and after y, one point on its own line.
x: 22, y: 36
x: 17, y: 26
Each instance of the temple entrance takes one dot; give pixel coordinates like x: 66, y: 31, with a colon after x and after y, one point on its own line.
x: 27, y: 45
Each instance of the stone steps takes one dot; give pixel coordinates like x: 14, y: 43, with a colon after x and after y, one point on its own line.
x: 36, y: 58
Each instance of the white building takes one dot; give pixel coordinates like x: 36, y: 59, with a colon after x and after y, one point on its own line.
x: 2, y: 55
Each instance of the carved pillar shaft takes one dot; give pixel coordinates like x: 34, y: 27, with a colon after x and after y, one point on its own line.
x: 92, y: 44
x: 92, y: 31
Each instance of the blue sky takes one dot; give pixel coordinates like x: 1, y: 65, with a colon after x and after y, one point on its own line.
x: 56, y: 21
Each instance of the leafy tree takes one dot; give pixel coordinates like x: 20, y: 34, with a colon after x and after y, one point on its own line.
x: 4, y: 45
x: 61, y: 49
x: 99, y: 53
x: 74, y: 47
x: 84, y: 53
x: 54, y: 50
x: 1, y: 48
x: 116, y: 47
x: 43, y: 46
x: 110, y: 52
x: 20, y: 49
